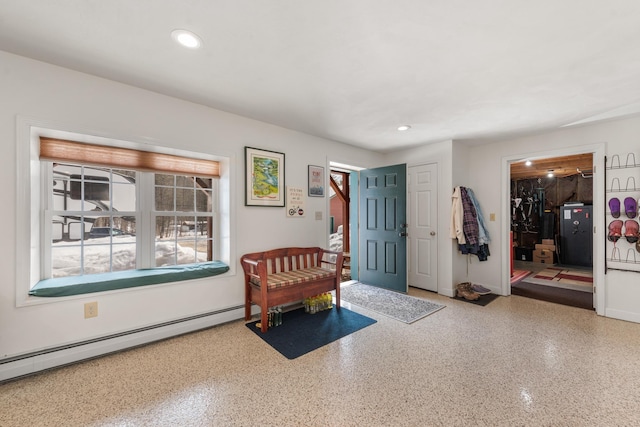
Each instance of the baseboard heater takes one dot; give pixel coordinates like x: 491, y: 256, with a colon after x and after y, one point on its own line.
x: 31, y: 363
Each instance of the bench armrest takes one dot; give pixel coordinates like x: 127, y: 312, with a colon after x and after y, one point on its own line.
x: 254, y: 268
x: 334, y: 258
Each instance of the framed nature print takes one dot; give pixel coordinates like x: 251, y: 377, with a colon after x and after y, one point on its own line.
x: 264, y: 177
x: 316, y: 181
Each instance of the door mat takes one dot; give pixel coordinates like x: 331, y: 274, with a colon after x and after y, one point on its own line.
x: 482, y: 301
x: 392, y: 304
x: 301, y: 333
x: 577, y: 280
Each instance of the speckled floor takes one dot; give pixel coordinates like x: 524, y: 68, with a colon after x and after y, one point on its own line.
x: 515, y: 362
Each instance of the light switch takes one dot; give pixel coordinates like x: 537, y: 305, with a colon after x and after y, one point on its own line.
x: 318, y: 215
x: 492, y: 217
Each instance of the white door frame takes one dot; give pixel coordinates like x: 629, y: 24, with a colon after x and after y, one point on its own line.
x: 599, y: 255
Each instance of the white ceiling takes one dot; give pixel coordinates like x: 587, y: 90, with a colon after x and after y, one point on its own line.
x: 353, y: 70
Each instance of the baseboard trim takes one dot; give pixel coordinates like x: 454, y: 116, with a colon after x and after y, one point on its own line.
x: 622, y: 315
x: 31, y: 363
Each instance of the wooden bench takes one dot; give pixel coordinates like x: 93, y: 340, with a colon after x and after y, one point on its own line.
x: 290, y: 275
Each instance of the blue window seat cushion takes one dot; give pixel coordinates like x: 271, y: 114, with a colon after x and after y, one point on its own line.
x: 77, y: 285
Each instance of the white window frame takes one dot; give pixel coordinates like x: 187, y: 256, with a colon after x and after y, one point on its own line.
x: 155, y: 214
x: 49, y: 213
x: 31, y: 197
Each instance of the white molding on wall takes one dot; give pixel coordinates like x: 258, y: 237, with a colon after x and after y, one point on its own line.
x: 622, y: 315
x: 56, y: 357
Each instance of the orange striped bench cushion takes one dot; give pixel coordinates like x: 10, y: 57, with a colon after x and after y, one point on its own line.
x: 288, y: 278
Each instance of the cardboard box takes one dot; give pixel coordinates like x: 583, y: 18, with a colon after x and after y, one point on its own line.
x: 548, y: 242
x: 551, y: 248
x: 543, y: 256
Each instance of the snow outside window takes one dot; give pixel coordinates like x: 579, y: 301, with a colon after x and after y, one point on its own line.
x: 98, y: 225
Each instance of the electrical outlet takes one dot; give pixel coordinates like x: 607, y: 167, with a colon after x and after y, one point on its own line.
x: 91, y: 309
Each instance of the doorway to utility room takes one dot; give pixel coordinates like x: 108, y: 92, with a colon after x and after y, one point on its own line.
x: 551, y: 229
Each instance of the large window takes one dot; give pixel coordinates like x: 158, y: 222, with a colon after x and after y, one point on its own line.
x: 108, y: 214
x: 97, y: 220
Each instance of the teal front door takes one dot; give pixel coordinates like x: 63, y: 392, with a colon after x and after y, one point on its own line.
x: 382, y: 240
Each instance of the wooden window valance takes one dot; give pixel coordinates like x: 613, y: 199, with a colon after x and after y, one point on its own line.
x: 60, y: 150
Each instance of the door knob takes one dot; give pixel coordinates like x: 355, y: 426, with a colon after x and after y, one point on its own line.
x: 433, y: 233
x: 403, y: 234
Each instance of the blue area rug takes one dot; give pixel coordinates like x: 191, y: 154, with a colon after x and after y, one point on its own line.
x: 302, y: 332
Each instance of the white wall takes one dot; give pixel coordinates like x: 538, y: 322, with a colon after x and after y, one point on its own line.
x: 58, y: 96
x: 618, y: 293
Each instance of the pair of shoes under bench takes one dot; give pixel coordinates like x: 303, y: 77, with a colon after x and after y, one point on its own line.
x: 480, y: 290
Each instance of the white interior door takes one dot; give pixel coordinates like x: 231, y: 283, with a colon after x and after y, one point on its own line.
x: 422, y: 217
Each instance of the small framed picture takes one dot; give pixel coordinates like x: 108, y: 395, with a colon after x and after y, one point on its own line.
x: 316, y: 181
x: 264, y: 178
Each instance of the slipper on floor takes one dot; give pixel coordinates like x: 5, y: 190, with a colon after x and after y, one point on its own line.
x: 630, y: 207
x: 480, y: 290
x: 615, y: 230
x: 631, y: 231
x: 614, y: 206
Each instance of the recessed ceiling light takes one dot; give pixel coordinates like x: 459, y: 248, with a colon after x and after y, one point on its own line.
x: 404, y: 127
x: 187, y: 38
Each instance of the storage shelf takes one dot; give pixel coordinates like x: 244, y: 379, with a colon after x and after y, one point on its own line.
x: 629, y: 163
x: 629, y: 187
x: 630, y: 257
x: 610, y: 168
x: 629, y: 190
x: 619, y: 260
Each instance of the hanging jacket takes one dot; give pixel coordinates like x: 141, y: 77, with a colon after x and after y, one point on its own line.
x: 469, y: 218
x: 483, y: 233
x: 471, y: 226
x: 455, y: 230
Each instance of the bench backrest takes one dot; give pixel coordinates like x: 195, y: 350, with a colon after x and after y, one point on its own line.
x: 288, y: 259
